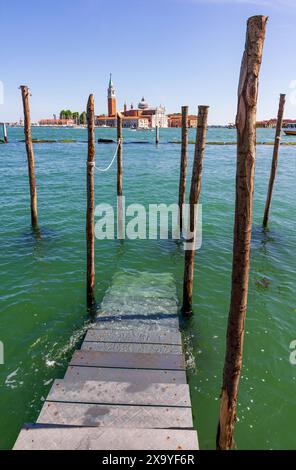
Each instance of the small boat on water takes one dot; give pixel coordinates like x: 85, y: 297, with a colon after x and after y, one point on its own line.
x: 290, y: 129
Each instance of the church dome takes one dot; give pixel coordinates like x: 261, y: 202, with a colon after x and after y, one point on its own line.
x: 143, y: 104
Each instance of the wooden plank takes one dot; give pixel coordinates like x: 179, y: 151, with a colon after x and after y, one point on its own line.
x: 131, y: 347
x: 105, y: 438
x: 82, y: 414
x: 133, y: 336
x: 128, y: 360
x: 154, y: 325
x: 116, y: 393
x: 125, y: 375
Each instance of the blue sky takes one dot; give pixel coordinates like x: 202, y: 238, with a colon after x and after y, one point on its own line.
x: 174, y: 52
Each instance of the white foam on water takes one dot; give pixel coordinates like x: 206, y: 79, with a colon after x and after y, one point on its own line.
x: 10, y: 381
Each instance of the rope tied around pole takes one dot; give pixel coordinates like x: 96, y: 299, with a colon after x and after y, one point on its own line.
x: 92, y: 164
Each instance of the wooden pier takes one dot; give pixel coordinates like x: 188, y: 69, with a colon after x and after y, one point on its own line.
x: 126, y: 388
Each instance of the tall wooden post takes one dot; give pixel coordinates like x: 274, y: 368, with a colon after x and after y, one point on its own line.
x: 193, y: 201
x: 274, y: 157
x: 30, y: 155
x: 246, y: 153
x: 183, y: 166
x: 157, y: 134
x: 119, y: 154
x: 4, y: 133
x: 119, y: 178
x: 90, y: 233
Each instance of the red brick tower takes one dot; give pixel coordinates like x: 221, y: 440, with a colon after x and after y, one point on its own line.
x: 111, y: 98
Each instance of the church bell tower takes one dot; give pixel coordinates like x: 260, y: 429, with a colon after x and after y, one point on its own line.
x: 111, y: 98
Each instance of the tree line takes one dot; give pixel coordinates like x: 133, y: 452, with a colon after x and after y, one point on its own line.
x: 76, y: 116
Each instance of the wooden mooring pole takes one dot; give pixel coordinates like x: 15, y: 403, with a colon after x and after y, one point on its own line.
x: 157, y: 134
x: 193, y: 201
x: 246, y: 152
x: 90, y: 232
x: 30, y: 155
x: 274, y: 157
x: 5, y: 140
x: 119, y: 154
x: 183, y: 166
x: 120, y: 234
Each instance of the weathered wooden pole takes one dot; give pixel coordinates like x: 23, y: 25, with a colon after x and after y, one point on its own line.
x: 183, y: 166
x: 4, y: 133
x: 119, y: 154
x: 246, y: 152
x: 193, y: 201
x: 119, y: 178
x: 30, y: 155
x: 90, y: 232
x: 274, y: 157
x: 157, y: 134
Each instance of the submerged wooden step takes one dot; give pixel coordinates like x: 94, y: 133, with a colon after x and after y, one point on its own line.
x: 85, y: 414
x: 153, y: 324
x: 131, y: 347
x: 133, y: 336
x: 125, y: 375
x: 128, y: 360
x: 120, y: 393
x: 125, y: 389
x: 85, y: 438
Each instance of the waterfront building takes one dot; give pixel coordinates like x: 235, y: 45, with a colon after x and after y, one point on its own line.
x: 145, y: 115
x: 288, y: 121
x: 175, y: 120
x: 271, y: 123
x: 56, y: 122
x: 111, y: 98
x: 142, y: 117
x: 138, y: 122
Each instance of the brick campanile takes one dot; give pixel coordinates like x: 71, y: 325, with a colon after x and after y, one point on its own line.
x: 111, y: 98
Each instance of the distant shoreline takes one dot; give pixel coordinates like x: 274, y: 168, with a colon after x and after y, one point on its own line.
x: 17, y: 126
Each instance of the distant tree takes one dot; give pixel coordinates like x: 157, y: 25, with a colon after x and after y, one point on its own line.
x: 68, y: 114
x: 76, y: 116
x: 83, y: 118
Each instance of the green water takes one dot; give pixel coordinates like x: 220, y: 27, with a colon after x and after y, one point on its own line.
x: 43, y: 281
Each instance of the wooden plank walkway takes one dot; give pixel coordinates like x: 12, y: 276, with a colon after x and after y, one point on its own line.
x: 126, y: 387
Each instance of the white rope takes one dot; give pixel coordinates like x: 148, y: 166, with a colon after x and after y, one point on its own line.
x: 113, y: 158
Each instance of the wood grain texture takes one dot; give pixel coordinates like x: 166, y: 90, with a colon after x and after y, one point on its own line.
x: 246, y: 152
x: 85, y: 438
x: 183, y: 164
x: 195, y: 190
x: 128, y: 360
x: 275, y: 156
x: 125, y: 393
x: 30, y: 155
x: 90, y: 211
x: 125, y: 375
x: 134, y: 336
x: 131, y: 347
x: 122, y: 416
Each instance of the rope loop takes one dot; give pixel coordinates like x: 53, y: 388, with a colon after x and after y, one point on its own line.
x: 120, y: 140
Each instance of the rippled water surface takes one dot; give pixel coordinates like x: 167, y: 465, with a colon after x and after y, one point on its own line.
x: 42, y: 280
